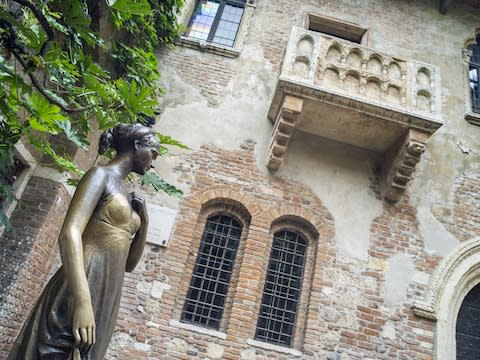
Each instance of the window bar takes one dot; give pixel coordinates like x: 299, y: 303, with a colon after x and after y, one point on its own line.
x: 282, y: 289
x: 212, y: 271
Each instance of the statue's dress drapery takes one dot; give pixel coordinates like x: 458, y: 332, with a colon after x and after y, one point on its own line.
x: 47, y: 334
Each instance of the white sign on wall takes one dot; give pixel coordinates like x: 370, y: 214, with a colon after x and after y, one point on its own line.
x: 160, y: 225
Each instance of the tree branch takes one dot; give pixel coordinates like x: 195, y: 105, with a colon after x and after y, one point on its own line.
x: 43, y: 21
x: 42, y: 90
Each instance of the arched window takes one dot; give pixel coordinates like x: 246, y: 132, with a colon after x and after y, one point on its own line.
x: 474, y: 74
x: 212, y: 272
x: 281, y: 294
x: 468, y: 326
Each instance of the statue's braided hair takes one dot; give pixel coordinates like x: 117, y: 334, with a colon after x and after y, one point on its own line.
x: 122, y: 135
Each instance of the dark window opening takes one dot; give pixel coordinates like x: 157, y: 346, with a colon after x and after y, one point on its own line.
x: 216, y: 21
x: 468, y: 326
x: 341, y: 29
x: 474, y: 75
x: 212, y: 271
x: 281, y: 294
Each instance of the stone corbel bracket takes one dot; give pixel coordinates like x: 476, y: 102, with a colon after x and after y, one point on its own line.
x: 400, y: 163
x: 283, y: 130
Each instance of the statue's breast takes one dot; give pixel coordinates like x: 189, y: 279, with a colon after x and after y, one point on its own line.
x: 116, y: 210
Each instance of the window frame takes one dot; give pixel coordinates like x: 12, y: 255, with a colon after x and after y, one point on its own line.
x: 212, y: 208
x: 196, y: 274
x: 217, y: 18
x: 205, y: 46
x: 471, y: 116
x: 338, y: 28
x: 310, y: 235
x: 299, y: 238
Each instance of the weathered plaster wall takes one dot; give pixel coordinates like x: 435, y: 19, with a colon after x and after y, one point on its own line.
x: 342, y: 176
x: 201, y: 108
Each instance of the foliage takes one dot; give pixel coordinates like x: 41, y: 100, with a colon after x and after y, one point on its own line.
x: 58, y: 72
x: 151, y: 178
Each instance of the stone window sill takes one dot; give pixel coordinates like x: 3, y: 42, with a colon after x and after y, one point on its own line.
x: 473, y: 118
x: 277, y: 348
x: 198, y: 329
x: 206, y: 46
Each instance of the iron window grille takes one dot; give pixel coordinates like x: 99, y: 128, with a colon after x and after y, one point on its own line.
x: 216, y: 21
x: 281, y: 294
x: 474, y: 75
x: 468, y: 323
x: 212, y: 271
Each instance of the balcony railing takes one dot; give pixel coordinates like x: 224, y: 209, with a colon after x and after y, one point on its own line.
x: 357, y: 95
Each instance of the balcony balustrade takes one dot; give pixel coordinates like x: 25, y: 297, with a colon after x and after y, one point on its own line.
x: 356, y: 95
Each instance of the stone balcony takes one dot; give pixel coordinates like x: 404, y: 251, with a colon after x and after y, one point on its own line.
x: 359, y: 96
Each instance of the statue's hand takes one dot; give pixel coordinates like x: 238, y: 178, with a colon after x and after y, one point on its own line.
x: 84, y: 325
x: 138, y: 204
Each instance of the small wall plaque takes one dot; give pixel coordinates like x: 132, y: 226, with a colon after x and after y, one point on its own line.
x: 160, y: 225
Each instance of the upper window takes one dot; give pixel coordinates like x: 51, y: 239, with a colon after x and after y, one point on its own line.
x: 216, y: 21
x: 281, y: 294
x: 338, y: 28
x: 474, y: 74
x: 212, y: 272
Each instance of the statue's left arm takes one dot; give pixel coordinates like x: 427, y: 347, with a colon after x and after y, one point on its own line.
x: 138, y: 243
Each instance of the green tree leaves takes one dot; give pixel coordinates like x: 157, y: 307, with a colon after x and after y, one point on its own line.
x: 152, y: 179
x: 131, y: 7
x: 57, y: 72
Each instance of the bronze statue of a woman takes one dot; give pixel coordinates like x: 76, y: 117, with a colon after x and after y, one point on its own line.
x: 103, y: 235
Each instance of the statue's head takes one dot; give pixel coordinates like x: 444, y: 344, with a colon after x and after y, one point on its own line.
x: 138, y: 139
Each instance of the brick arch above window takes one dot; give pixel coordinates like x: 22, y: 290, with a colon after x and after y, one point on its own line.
x: 199, y: 199
x: 314, y: 222
x: 228, y: 206
x: 296, y: 224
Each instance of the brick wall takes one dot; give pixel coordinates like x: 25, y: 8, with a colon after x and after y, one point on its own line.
x: 203, y: 72
x: 463, y: 219
x: 343, y: 312
x: 28, y: 254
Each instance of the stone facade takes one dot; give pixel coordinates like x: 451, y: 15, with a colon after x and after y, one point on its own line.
x: 377, y: 273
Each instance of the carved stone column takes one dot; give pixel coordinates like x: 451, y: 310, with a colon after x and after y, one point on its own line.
x: 400, y: 164
x: 283, y: 130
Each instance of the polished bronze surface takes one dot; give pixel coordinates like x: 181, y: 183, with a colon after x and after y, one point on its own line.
x: 103, y: 235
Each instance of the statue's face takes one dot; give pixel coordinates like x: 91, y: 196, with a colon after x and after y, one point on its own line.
x: 145, y: 153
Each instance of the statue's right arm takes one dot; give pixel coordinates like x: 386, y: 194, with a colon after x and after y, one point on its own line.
x: 86, y: 198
